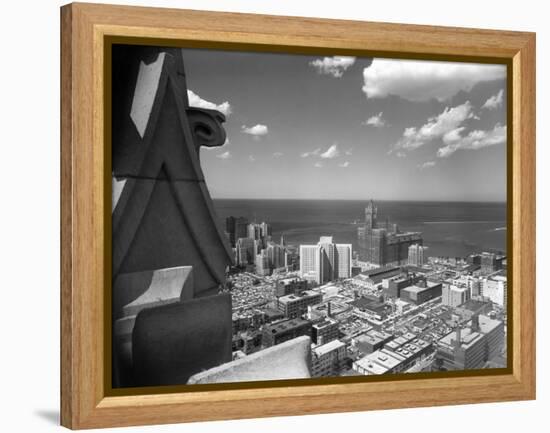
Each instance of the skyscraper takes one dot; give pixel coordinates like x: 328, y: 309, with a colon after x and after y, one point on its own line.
x: 276, y: 255
x: 383, y: 245
x: 416, y: 255
x: 246, y: 250
x: 262, y: 264
x: 371, y: 214
x: 235, y: 228
x: 325, y: 261
x: 254, y: 231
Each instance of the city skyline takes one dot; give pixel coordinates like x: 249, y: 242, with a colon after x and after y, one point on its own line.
x: 311, y: 127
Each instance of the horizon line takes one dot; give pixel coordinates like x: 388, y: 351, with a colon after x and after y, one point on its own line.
x: 365, y: 200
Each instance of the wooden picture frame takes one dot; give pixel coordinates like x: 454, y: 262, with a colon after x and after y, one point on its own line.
x: 86, y: 30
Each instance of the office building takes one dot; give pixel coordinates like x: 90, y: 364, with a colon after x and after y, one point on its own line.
x: 454, y: 295
x: 246, y: 251
x: 417, y: 255
x: 236, y: 228
x: 396, y: 356
x: 371, y: 341
x: 325, y: 261
x: 285, y: 330
x: 293, y: 306
x: 422, y: 292
x: 254, y: 231
x: 324, y: 331
x: 277, y: 256
x: 491, y: 263
x: 328, y: 359
x: 472, y: 346
x: 384, y: 244
x: 262, y: 264
x: 289, y: 286
x: 494, y: 288
x: 392, y: 286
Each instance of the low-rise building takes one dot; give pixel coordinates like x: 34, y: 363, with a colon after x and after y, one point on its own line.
x: 279, y: 332
x: 324, y: 331
x: 293, y: 306
x: 328, y: 359
x: 421, y: 292
x: 371, y: 341
x: 472, y: 346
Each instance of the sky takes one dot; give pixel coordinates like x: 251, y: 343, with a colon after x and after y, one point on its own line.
x: 316, y: 127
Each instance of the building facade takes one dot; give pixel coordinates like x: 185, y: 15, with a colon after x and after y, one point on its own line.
x: 384, y: 244
x: 293, y: 306
x: 326, y: 261
x: 417, y: 255
x: 328, y: 359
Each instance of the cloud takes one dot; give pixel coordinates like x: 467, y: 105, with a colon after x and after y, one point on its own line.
x: 315, y: 152
x: 251, y: 158
x: 427, y: 164
x: 331, y: 152
x: 474, y: 140
x: 277, y: 154
x: 418, y: 80
x: 256, y: 131
x: 335, y: 66
x: 494, y: 101
x: 348, y: 152
x: 196, y: 101
x: 436, y: 127
x: 344, y: 164
x: 377, y: 121
x: 400, y: 154
x: 319, y: 164
x: 224, y: 155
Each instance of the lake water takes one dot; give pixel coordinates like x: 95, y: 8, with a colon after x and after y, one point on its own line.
x: 450, y: 229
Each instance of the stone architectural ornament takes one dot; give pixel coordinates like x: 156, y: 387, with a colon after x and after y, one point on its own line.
x: 167, y: 247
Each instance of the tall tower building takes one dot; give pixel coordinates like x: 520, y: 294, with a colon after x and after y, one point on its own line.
x: 254, y: 231
x: 383, y: 244
x: 235, y: 228
x: 371, y: 214
x: 265, y: 229
x: 325, y: 261
x: 417, y: 255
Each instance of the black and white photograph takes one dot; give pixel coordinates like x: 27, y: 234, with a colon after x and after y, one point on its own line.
x: 283, y: 216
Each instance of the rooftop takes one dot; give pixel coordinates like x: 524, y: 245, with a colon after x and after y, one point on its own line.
x: 292, y: 297
x: 328, y: 347
x: 473, y: 305
x: 287, y: 324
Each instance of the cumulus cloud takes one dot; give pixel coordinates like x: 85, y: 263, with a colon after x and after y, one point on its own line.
x: 331, y: 152
x: 427, y: 164
x: 251, y: 158
x: 277, y: 154
x: 418, y: 80
x: 318, y: 164
x: 315, y: 152
x: 344, y: 164
x: 196, y: 101
x: 494, y: 101
x: 224, y: 155
x: 335, y: 66
x: 258, y: 130
x: 377, y: 121
x: 400, y: 154
x: 474, y: 140
x: 348, y: 152
x: 436, y: 127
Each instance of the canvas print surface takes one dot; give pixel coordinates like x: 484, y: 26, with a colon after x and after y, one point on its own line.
x: 285, y: 216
